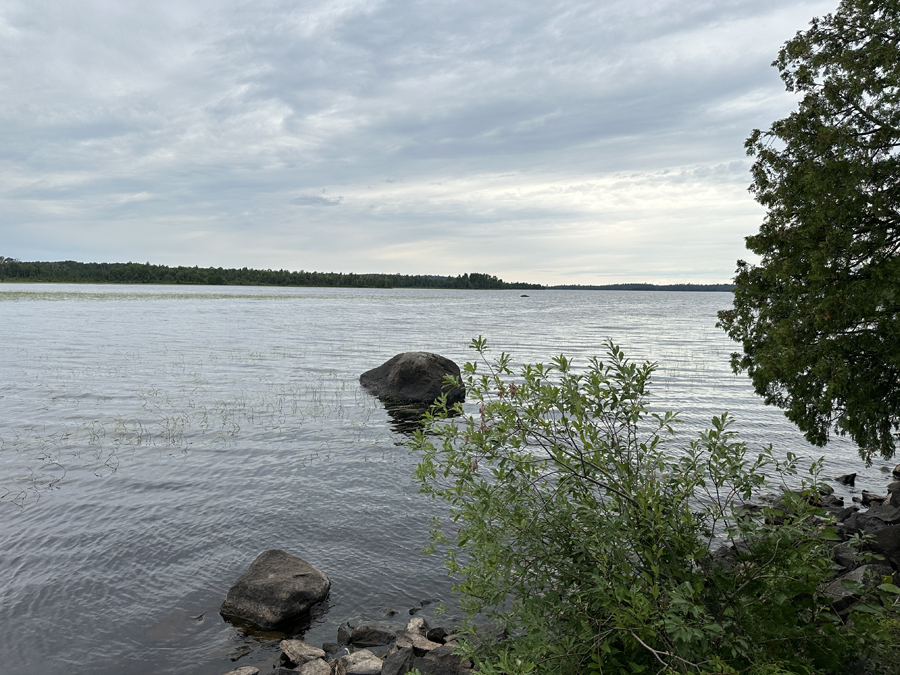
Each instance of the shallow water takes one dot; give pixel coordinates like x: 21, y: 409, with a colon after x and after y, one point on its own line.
x: 155, y: 439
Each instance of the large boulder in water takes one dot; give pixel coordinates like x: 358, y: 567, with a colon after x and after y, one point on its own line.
x: 413, y: 377
x: 277, y: 587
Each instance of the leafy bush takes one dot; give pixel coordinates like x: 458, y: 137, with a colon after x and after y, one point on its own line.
x: 577, y: 525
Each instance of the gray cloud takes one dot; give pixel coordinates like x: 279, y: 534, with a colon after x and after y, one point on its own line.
x: 578, y: 141
x: 317, y: 200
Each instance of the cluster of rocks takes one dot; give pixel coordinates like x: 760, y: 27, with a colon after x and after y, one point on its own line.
x: 278, y: 588
x: 430, y: 650
x: 880, y: 519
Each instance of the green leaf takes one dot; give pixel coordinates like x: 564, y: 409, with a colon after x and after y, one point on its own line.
x: 830, y: 534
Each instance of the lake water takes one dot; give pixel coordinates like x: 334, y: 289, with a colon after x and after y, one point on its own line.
x: 155, y: 439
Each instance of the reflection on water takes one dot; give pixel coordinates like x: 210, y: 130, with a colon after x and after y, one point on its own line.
x: 174, y: 433
x: 406, y: 418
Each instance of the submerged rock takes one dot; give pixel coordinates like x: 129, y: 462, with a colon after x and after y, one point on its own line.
x: 276, y: 588
x: 413, y: 377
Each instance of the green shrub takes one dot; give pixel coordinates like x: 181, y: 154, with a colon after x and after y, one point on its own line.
x: 575, y: 522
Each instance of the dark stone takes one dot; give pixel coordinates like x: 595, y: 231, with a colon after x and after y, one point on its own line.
x: 343, y: 637
x: 896, y: 471
x: 831, y: 501
x: 398, y: 663
x: 724, y: 557
x: 869, y: 498
x: 847, y: 479
x: 428, y: 666
x: 445, y: 654
x: 492, y: 631
x: 863, y: 522
x: 842, y: 515
x: 436, y: 634
x: 845, y: 556
x: 277, y: 587
x: 373, y: 633
x: 413, y: 377
x: 894, y: 486
x: 887, y: 540
x: 870, y: 575
x: 887, y: 513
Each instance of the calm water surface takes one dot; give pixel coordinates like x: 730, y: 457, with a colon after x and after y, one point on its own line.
x: 155, y: 439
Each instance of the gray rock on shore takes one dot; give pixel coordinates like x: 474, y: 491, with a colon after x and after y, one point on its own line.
x: 299, y: 652
x: 374, y: 633
x: 276, y: 588
x: 361, y: 662
x: 413, y: 377
x: 867, y: 575
x: 316, y: 667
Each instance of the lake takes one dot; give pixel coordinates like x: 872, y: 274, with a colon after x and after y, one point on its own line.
x: 155, y: 439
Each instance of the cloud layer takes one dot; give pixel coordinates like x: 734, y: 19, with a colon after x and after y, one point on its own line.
x: 552, y: 141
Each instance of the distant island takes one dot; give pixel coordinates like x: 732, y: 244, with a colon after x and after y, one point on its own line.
x: 71, y: 272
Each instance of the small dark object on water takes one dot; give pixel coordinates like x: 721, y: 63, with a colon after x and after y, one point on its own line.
x: 847, y: 479
x: 524, y: 296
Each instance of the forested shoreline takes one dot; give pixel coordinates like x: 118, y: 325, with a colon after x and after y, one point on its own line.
x: 72, y: 272
x: 69, y: 271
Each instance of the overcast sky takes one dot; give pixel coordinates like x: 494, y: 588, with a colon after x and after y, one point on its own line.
x: 538, y: 140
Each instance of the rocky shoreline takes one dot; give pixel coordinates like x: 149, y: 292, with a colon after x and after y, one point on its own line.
x: 400, y: 650
x: 278, y: 587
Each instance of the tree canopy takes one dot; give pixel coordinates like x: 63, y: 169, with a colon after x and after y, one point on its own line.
x: 818, y: 315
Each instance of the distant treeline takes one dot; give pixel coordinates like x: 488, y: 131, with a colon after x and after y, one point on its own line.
x: 649, y: 287
x: 69, y: 271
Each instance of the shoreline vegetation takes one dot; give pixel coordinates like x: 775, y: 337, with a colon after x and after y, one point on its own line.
x: 70, y: 271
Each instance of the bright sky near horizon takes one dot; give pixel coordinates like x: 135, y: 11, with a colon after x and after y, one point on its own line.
x: 551, y: 141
